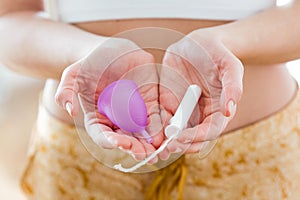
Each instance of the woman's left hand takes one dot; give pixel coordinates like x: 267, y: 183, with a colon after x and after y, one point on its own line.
x: 200, y: 58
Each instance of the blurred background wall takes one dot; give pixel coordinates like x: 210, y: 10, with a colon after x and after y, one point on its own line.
x: 18, y: 110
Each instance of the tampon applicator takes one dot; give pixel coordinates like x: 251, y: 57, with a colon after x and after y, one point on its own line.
x: 182, y: 115
x: 184, y: 111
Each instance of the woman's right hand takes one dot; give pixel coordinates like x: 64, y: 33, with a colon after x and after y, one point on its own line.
x: 112, y: 60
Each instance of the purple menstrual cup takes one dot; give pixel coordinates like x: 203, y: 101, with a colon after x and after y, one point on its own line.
x: 123, y: 105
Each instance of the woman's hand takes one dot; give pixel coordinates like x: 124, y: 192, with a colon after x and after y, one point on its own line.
x: 200, y: 58
x: 112, y: 60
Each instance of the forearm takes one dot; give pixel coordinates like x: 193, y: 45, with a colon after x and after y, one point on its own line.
x: 40, y: 47
x: 269, y: 37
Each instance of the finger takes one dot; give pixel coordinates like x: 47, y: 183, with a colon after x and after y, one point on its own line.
x: 149, y: 151
x: 165, y: 117
x: 203, y: 148
x: 103, y: 137
x: 231, y: 76
x: 177, y: 147
x: 66, y: 92
x: 131, y: 145
x: 210, y: 129
x: 165, y: 154
x: 138, y: 155
x: 155, y: 129
x: 173, y: 83
x: 137, y: 148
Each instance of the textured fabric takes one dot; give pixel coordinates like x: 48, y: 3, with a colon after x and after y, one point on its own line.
x: 60, y: 168
x: 260, y: 161
x: 168, y: 180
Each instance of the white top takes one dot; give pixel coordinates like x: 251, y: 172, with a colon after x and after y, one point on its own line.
x: 92, y: 10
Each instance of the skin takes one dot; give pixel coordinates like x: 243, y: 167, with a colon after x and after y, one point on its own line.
x: 218, y: 73
x: 243, y: 53
x: 85, y: 74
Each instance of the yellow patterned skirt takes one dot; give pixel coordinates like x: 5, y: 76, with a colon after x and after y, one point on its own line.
x: 257, y: 162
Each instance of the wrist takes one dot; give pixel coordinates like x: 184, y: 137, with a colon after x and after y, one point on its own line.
x: 83, y: 48
x: 231, y: 40
x: 221, y: 35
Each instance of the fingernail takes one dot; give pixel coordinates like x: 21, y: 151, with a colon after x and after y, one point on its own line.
x: 187, y: 141
x: 69, y: 108
x: 203, y: 145
x: 121, y: 148
x: 165, y: 157
x: 133, y: 156
x: 153, y: 161
x: 127, y: 151
x: 231, y: 108
x: 113, y: 141
x: 178, y: 150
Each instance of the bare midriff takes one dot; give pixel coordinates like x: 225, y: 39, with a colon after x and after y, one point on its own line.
x: 267, y: 89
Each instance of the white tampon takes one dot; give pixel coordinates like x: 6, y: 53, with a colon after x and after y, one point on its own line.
x: 184, y: 111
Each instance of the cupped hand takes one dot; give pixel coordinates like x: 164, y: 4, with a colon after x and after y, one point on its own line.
x: 82, y: 83
x: 200, y: 58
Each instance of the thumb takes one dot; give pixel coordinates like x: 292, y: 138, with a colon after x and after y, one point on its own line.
x: 231, y: 76
x: 66, y: 94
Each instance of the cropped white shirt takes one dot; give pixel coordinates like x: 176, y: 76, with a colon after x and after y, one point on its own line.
x: 92, y: 10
